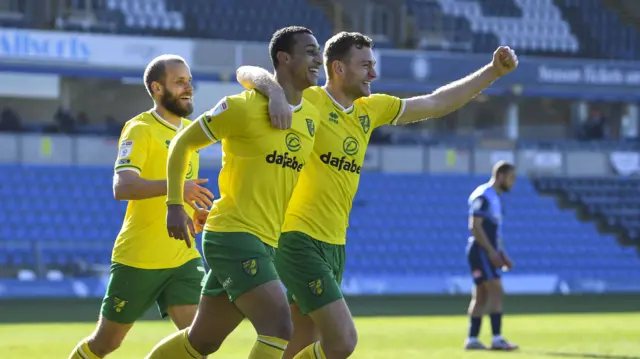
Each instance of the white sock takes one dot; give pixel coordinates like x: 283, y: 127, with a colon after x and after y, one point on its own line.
x: 497, y: 338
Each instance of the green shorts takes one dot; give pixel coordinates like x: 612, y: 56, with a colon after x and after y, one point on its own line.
x: 238, y: 262
x: 132, y: 291
x: 310, y: 270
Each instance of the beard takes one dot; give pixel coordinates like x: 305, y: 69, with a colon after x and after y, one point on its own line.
x: 172, y: 103
x: 505, y: 188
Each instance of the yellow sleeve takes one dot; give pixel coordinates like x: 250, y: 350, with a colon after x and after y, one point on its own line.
x: 228, y: 118
x: 386, y: 109
x: 191, y: 139
x: 133, y: 148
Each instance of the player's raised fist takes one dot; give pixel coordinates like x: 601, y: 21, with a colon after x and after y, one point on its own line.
x: 196, y: 195
x: 504, y: 61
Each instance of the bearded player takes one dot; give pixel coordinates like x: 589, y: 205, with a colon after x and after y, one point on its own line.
x: 311, y: 251
x: 148, y: 266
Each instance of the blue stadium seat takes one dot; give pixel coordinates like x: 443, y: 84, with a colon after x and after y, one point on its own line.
x: 401, y: 224
x: 600, y: 30
x: 530, y: 26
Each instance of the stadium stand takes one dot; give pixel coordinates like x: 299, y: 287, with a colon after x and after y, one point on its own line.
x: 614, y: 203
x: 599, y: 29
x: 419, y: 219
x: 568, y: 28
x: 246, y: 20
x: 528, y: 25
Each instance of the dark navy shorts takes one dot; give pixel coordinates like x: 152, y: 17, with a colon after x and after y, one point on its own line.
x: 481, y: 268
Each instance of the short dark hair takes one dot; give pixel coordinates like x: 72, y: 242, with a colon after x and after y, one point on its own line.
x: 156, y: 70
x: 502, y: 167
x: 283, y: 40
x: 338, y: 46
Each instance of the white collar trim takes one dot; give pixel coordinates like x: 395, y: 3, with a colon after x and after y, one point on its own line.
x: 167, y: 122
x: 295, y: 108
x: 337, y: 103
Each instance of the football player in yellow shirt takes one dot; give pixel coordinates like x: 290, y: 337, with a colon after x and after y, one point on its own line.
x: 260, y: 168
x: 311, y: 250
x: 147, y: 265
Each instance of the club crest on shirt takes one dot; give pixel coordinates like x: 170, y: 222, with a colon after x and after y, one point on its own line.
x: 311, y: 127
x: 250, y: 267
x: 119, y: 304
x: 365, y: 123
x: 317, y: 287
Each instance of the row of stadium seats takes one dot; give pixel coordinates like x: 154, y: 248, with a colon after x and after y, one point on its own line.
x: 530, y: 25
x: 600, y: 30
x: 613, y: 201
x: 242, y: 20
x: 583, y: 28
x: 401, y: 224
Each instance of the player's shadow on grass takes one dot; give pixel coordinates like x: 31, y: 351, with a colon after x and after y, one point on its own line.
x: 582, y: 355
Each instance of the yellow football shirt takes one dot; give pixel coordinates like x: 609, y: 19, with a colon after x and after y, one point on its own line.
x: 321, y: 202
x: 260, y: 164
x: 143, y: 241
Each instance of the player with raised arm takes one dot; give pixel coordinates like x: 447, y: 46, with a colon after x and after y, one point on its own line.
x: 260, y: 168
x: 147, y: 265
x: 311, y: 250
x: 486, y: 256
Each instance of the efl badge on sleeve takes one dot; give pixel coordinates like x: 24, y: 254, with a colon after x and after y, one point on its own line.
x: 125, y: 149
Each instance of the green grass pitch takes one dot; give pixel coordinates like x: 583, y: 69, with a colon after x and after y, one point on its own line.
x: 604, y: 336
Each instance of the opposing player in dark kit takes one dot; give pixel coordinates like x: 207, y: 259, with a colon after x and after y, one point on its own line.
x: 487, y: 256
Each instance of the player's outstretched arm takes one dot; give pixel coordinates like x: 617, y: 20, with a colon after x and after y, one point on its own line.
x: 456, y: 94
x: 259, y: 79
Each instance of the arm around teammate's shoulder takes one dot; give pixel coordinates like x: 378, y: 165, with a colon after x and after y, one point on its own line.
x: 259, y: 79
x: 254, y: 77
